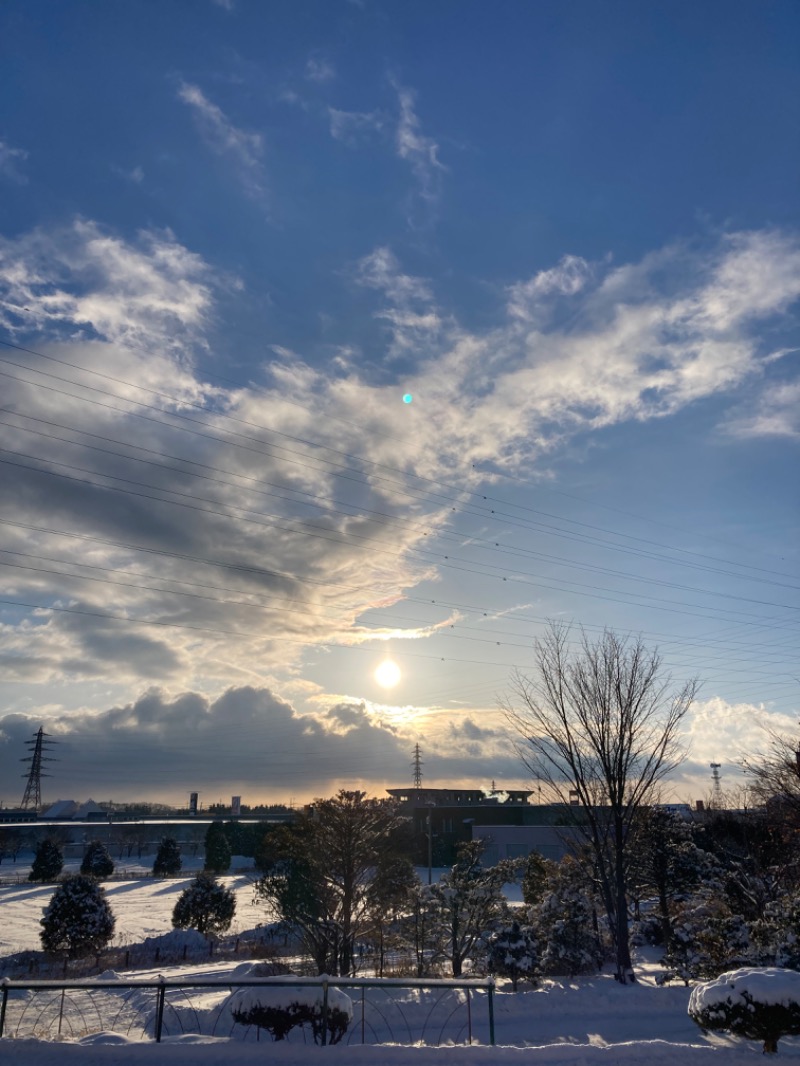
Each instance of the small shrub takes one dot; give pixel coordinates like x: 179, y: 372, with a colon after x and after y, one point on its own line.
x: 758, y: 1004
x: 280, y: 1009
x: 78, y: 920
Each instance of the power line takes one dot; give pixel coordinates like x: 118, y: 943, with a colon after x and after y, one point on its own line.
x: 318, y: 446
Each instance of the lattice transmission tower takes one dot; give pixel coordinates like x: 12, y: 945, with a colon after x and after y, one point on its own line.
x: 33, y: 789
x: 416, y: 766
x: 716, y: 783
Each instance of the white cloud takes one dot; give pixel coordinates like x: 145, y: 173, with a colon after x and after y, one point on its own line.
x: 348, y: 126
x: 151, y: 293
x: 381, y: 270
x: 418, y: 150
x: 776, y: 414
x: 10, y: 160
x: 220, y: 134
x: 320, y: 70
x: 268, y: 569
x: 525, y: 298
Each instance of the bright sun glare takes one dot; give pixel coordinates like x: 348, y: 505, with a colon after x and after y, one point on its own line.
x: 388, y: 674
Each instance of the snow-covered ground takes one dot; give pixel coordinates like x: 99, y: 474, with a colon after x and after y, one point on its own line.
x: 586, y: 1022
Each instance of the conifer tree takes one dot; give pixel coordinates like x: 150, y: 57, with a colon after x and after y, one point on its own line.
x: 97, y: 862
x: 48, y: 862
x: 218, y: 850
x: 513, y: 954
x: 78, y: 920
x: 205, y: 905
x: 168, y: 859
x: 468, y: 903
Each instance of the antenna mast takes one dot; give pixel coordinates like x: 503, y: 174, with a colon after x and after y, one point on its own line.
x: 33, y: 788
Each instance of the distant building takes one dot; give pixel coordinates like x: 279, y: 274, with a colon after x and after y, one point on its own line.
x: 509, y: 825
x: 72, y: 811
x: 456, y: 797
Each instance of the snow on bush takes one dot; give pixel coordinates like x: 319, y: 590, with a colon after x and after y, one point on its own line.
x: 174, y: 943
x: 759, y: 1004
x: 513, y: 954
x: 206, y: 905
x: 97, y: 862
x: 78, y: 920
x: 281, y: 1008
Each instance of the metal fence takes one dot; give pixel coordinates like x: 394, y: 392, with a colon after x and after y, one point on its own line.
x: 384, y: 1010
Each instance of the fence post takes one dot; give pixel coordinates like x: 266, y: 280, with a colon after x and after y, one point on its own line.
x: 3, y: 1005
x: 469, y: 1015
x: 160, y: 996
x: 61, y: 1011
x: 325, y: 1012
x: 491, y: 1010
x: 363, y: 1009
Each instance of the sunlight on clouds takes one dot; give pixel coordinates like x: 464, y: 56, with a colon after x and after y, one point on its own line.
x: 719, y: 731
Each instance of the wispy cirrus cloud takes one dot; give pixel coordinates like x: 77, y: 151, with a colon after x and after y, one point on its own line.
x: 420, y: 151
x: 775, y: 413
x: 11, y: 160
x: 243, y: 147
x: 348, y: 126
x: 320, y: 70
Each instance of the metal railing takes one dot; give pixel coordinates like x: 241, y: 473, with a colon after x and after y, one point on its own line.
x: 432, y: 1012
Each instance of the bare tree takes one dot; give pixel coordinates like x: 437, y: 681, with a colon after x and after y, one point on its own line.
x: 774, y: 778
x: 601, y: 726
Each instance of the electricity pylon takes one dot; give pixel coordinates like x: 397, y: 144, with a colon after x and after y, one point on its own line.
x: 33, y: 788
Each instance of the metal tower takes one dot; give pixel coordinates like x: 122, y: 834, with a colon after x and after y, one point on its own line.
x: 33, y: 788
x: 716, y: 784
x: 416, y: 765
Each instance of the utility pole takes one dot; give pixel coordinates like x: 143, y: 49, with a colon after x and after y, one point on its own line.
x: 33, y: 789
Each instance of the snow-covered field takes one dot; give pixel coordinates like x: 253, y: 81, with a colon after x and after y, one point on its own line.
x: 586, y: 1022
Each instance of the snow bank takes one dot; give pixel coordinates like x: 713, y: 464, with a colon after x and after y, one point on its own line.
x: 209, y: 1051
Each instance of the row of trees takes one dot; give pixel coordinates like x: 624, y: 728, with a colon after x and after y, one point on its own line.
x: 48, y: 860
x: 78, y: 921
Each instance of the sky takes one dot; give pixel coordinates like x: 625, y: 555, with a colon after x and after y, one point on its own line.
x: 348, y: 331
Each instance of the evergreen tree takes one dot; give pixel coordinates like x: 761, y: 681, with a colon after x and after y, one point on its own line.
x: 513, y: 954
x: 48, y: 862
x: 534, y: 879
x: 218, y: 850
x: 97, y: 862
x: 564, y: 923
x: 205, y: 905
x: 775, y: 938
x: 707, y: 938
x: 78, y: 920
x: 168, y: 859
x: 666, y: 860
x: 468, y: 903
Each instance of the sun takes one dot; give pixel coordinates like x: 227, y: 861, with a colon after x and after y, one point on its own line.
x: 388, y: 674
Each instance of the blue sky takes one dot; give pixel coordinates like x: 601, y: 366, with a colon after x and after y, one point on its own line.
x: 234, y: 235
